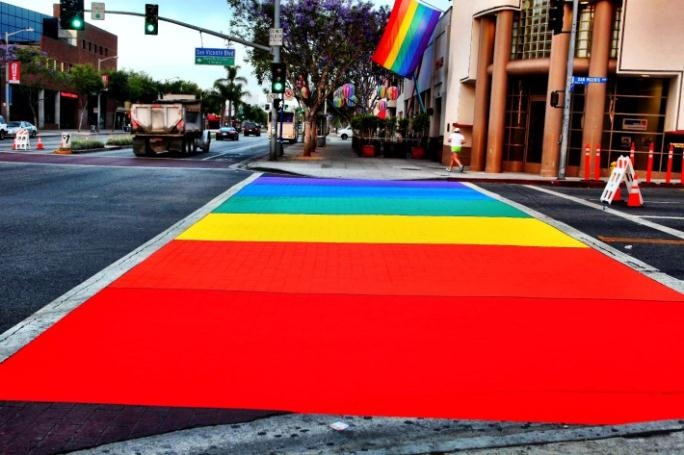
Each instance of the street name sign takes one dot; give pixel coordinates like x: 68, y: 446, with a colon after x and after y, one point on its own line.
x: 209, y: 56
x: 583, y: 80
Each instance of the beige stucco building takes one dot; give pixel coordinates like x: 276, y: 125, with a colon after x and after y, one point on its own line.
x: 504, y: 63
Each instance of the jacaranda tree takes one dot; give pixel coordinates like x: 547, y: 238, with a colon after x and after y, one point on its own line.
x: 323, y: 42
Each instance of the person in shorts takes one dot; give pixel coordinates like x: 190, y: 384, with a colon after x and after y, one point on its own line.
x: 456, y: 140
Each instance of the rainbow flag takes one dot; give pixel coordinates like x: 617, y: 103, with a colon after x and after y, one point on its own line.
x: 406, y: 36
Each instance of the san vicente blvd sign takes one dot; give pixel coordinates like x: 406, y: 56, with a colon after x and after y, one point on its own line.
x: 211, y: 56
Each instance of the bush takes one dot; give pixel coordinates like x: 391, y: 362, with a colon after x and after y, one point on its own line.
x: 120, y: 140
x: 86, y: 144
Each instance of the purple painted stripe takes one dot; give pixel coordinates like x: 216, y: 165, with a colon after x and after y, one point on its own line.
x: 370, y: 183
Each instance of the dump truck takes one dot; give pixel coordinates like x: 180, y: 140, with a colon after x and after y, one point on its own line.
x: 173, y: 123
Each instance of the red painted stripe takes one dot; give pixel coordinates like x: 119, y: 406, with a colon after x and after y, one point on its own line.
x: 391, y: 269
x: 561, y: 360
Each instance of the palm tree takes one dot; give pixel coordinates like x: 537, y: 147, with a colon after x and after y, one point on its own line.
x: 230, y: 89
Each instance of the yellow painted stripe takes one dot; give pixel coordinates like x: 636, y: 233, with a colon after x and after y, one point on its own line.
x: 378, y: 229
x: 401, y: 35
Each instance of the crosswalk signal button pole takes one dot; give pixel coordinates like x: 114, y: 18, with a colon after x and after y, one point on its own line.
x: 151, y: 19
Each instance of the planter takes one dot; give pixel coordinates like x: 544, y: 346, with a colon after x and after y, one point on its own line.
x: 417, y: 152
x: 368, y: 150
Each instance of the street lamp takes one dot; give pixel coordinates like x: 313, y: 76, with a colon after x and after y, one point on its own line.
x: 7, y: 87
x: 99, y: 93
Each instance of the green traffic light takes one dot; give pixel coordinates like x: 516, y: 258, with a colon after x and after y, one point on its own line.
x: 277, y: 86
x: 76, y: 23
x: 150, y: 28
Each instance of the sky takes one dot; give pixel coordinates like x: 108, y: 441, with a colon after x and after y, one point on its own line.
x: 171, y: 53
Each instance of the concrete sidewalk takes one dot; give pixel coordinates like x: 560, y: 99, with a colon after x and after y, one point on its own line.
x: 337, y: 160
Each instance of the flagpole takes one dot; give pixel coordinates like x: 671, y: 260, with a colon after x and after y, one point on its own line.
x: 415, y: 86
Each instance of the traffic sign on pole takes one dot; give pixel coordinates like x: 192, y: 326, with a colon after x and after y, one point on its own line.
x: 97, y: 11
x: 208, y: 56
x: 275, y: 37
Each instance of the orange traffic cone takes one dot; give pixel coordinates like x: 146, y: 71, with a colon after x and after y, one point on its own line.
x: 617, y: 197
x: 39, y: 144
x: 635, y: 198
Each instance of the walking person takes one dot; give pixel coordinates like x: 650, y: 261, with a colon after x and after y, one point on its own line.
x: 456, y: 140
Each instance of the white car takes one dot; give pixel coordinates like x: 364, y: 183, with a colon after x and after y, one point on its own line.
x: 345, y: 133
x: 3, y: 127
x: 14, y: 126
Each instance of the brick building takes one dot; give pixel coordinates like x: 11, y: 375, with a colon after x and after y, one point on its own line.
x: 56, y: 106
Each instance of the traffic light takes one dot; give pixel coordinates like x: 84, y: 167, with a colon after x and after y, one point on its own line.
x: 278, y: 77
x: 276, y: 103
x: 71, y: 15
x: 556, y: 16
x: 151, y: 19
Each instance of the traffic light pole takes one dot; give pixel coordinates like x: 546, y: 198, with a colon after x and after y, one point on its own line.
x: 194, y: 27
x: 563, y: 158
x: 275, y: 149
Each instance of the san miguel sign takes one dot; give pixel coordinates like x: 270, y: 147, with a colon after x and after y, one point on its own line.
x: 14, y: 72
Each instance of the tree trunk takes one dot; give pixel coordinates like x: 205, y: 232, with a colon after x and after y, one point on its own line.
x: 84, y: 109
x: 309, y: 136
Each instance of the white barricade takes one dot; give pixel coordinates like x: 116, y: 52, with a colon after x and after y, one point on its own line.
x: 65, y: 144
x: 21, y: 140
x: 623, y: 172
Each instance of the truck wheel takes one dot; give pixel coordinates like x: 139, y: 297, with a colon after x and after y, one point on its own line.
x: 3, y: 134
x: 139, y: 147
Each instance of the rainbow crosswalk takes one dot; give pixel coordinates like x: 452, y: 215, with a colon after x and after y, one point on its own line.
x: 424, y: 299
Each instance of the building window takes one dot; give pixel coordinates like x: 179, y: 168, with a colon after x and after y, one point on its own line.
x: 585, y: 19
x: 106, y: 52
x: 531, y: 36
x: 90, y: 47
x: 634, y: 113
x: 84, y: 44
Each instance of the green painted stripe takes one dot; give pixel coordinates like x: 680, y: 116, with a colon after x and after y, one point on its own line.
x: 369, y: 206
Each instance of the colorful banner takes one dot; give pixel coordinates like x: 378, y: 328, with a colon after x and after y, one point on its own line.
x: 406, y: 35
x: 14, y: 72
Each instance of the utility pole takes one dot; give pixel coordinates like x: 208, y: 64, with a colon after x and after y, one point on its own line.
x: 563, y: 159
x: 7, y: 73
x: 99, y: 93
x: 275, y: 149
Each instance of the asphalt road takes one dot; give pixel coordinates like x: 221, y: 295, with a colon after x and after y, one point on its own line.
x: 62, y: 224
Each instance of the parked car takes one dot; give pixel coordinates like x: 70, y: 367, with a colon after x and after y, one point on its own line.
x: 227, y: 132
x: 345, y: 133
x: 3, y: 127
x: 14, y: 126
x: 251, y: 128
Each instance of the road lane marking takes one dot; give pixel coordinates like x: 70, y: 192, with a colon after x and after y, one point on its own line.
x: 640, y: 240
x: 633, y: 218
x: 629, y: 261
